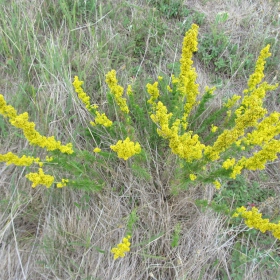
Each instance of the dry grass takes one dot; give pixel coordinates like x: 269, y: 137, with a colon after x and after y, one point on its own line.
x: 68, y: 234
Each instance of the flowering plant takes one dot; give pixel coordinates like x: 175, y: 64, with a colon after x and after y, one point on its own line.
x: 241, y: 135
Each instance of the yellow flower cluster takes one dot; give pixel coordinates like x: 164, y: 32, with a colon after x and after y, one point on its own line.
x: 129, y: 90
x: 232, y: 101
x: 262, y: 136
x: 7, y: 111
x: 11, y: 158
x: 223, y: 142
x: 29, y: 131
x: 49, y: 159
x: 209, y: 90
x: 229, y: 163
x: 258, y: 75
x: 266, y: 130
x: 162, y: 118
x: 175, y: 81
x: 126, y: 149
x: 40, y: 178
x: 251, y: 110
x: 122, y: 248
x: 187, y: 85
x: 81, y: 94
x: 101, y: 119
x: 217, y: 184
x: 62, y: 184
x: 153, y: 91
x: 192, y: 177
x: 116, y: 90
x: 247, y: 114
x: 169, y: 88
x: 186, y: 146
x: 253, y: 219
x: 268, y: 152
x: 96, y: 150
x: 213, y: 128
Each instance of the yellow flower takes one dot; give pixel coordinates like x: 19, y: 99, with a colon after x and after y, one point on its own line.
x: 228, y: 163
x: 253, y: 219
x: 193, y: 177
x: 232, y: 101
x: 29, y: 131
x: 11, y: 158
x: 187, y: 145
x: 129, y: 90
x: 62, y: 184
x: 116, y: 90
x: 266, y: 130
x: 126, y: 149
x: 160, y: 78
x: 102, y: 120
x: 268, y: 152
x: 248, y: 115
x: 122, y: 248
x: 49, y: 159
x: 174, y: 80
x: 236, y: 170
x: 7, y: 110
x: 258, y: 75
x: 217, y: 184
x: 81, y: 94
x: 187, y: 85
x: 169, y: 88
x: 40, y: 178
x: 214, y: 128
x: 97, y: 150
x: 153, y: 91
x: 162, y: 118
x: 223, y: 142
x: 209, y: 90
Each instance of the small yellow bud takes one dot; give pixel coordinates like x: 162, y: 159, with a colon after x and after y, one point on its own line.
x: 217, y: 184
x: 169, y: 88
x: 96, y: 150
x: 62, y: 183
x: 214, y: 128
x: 192, y: 177
x: 122, y: 248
